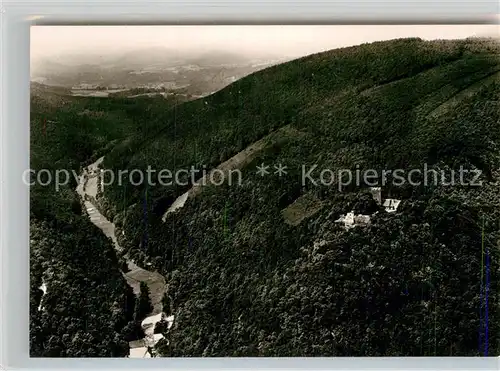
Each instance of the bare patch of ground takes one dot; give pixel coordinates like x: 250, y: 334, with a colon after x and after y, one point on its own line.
x: 303, y: 207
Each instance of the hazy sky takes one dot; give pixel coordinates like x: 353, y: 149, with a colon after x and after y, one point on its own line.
x: 282, y: 40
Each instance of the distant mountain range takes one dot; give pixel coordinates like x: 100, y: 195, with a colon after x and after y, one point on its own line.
x: 146, y: 66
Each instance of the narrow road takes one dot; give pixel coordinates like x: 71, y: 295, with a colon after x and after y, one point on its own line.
x: 238, y: 161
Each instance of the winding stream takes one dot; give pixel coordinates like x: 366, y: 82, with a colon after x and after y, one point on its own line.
x: 87, y: 186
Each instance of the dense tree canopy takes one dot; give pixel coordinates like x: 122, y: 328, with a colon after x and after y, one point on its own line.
x: 242, y: 279
x: 88, y: 304
x: 244, y: 282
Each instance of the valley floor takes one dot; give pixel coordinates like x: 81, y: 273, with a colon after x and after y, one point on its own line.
x: 87, y: 190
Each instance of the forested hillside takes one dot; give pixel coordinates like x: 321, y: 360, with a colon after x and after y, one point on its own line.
x: 263, y: 268
x: 87, y: 304
x: 243, y: 282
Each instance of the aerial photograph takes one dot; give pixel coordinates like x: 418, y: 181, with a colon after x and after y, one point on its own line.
x: 264, y: 191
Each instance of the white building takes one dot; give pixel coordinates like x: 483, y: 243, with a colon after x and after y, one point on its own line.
x: 350, y: 220
x: 139, y: 349
x: 391, y: 204
x: 141, y: 352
